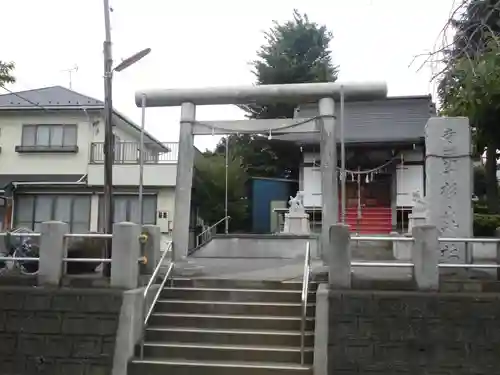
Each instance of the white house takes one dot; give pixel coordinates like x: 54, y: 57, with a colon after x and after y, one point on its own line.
x: 385, y: 151
x: 51, y: 163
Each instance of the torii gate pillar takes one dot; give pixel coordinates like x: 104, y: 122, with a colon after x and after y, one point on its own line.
x: 329, y: 180
x: 184, y: 181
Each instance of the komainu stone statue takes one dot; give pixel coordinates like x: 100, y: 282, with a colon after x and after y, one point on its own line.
x: 296, y: 205
x: 419, y: 203
x: 296, y: 220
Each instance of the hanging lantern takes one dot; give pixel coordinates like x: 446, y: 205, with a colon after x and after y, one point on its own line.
x: 270, y: 135
x: 367, y: 180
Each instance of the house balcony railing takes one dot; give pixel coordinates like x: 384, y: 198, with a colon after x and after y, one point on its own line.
x: 129, y: 153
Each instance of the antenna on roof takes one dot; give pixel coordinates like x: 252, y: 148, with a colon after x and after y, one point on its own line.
x: 70, y: 72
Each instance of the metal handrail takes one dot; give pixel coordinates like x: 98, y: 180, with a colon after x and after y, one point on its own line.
x: 199, y: 238
x: 305, y: 293
x: 157, y: 269
x: 355, y: 238
x: 142, y: 260
x: 147, y: 314
x: 358, y: 238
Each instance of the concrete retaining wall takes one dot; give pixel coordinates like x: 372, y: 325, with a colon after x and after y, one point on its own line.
x: 258, y: 246
x: 377, y: 332
x: 58, y: 331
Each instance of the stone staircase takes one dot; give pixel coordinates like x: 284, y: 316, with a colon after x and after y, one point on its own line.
x: 228, y: 327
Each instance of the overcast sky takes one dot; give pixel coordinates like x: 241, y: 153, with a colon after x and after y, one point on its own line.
x: 199, y: 43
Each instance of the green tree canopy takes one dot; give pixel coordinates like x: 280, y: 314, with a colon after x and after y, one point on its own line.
x: 209, y: 185
x: 6, y: 69
x: 296, y: 51
x: 263, y: 157
x: 470, y: 83
x: 475, y: 92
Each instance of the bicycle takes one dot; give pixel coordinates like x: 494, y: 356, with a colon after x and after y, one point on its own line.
x: 19, y: 247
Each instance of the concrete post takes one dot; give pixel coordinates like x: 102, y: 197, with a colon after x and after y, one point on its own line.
x: 152, y: 247
x: 338, y: 256
x: 52, y: 251
x: 126, y: 251
x: 329, y: 183
x: 321, y: 332
x: 401, y: 250
x: 425, y: 256
x: 180, y: 235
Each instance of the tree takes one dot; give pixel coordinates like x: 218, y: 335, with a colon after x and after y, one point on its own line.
x: 474, y: 92
x: 263, y: 157
x: 209, y: 189
x: 467, y: 78
x: 6, y: 69
x: 296, y: 51
x: 470, y: 82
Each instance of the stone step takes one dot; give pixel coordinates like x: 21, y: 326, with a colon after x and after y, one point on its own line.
x: 219, y: 352
x: 233, y: 308
x: 228, y: 336
x: 219, y: 326
x: 207, y: 282
x: 234, y: 295
x: 228, y: 321
x: 184, y: 367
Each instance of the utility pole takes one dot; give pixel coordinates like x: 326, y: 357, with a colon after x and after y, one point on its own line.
x: 108, y: 132
x: 141, y: 160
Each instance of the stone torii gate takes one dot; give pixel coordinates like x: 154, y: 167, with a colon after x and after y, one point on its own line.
x: 188, y: 99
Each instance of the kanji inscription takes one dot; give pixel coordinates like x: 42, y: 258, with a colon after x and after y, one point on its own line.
x: 448, y: 220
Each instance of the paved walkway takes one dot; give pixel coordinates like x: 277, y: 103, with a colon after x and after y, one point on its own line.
x: 292, y: 269
x: 278, y: 269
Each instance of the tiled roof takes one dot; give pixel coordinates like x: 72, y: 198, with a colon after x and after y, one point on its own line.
x: 396, y: 119
x: 60, y: 98
x: 48, y: 97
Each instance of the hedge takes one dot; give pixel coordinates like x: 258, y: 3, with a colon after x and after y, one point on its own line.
x: 480, y: 208
x: 485, y: 225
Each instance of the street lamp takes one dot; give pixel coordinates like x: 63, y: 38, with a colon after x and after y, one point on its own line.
x: 108, y: 121
x: 132, y: 60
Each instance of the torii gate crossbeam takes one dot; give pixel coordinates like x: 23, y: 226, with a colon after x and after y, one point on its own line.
x: 188, y: 99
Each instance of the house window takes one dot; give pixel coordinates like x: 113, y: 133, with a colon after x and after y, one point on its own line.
x: 32, y: 210
x: 48, y: 137
x: 126, y: 208
x: 402, y: 219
